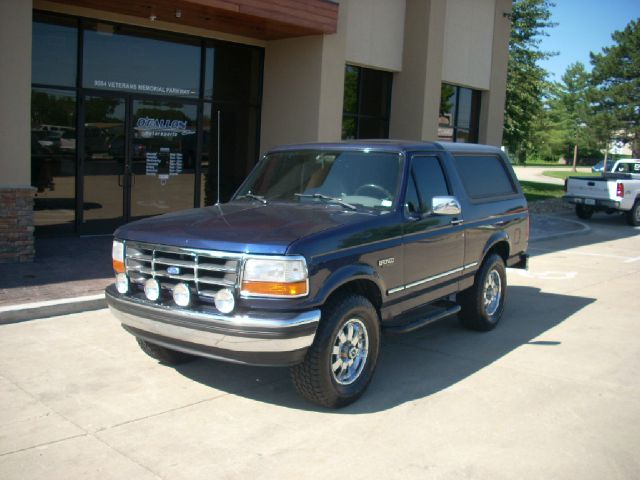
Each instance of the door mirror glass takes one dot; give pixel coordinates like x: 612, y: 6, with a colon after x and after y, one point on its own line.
x: 445, y: 206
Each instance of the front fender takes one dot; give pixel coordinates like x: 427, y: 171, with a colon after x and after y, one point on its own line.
x: 344, y: 275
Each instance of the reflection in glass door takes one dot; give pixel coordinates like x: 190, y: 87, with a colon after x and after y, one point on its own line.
x: 163, y: 154
x: 103, y: 165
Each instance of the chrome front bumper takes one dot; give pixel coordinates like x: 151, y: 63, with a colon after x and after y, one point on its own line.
x: 257, y: 338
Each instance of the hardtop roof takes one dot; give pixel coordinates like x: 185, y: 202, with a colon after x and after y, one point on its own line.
x: 391, y: 145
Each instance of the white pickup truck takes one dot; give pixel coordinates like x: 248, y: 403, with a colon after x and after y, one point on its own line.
x: 615, y: 191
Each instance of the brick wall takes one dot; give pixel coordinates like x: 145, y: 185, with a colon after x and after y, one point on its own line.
x: 16, y: 224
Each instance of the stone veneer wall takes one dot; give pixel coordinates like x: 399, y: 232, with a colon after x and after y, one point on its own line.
x: 16, y: 224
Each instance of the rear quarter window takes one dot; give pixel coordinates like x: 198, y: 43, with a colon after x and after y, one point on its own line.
x: 484, y: 176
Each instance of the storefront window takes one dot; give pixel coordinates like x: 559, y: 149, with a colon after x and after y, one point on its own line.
x: 459, y: 114
x: 119, y: 58
x: 54, y: 57
x: 367, y: 102
x: 53, y: 158
x: 139, y: 135
x: 238, y: 148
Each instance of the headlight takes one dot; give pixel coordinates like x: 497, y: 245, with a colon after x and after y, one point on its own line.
x: 117, y: 255
x: 275, y: 277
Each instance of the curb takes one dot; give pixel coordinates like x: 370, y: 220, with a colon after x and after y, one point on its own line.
x: 581, y: 228
x: 51, y: 308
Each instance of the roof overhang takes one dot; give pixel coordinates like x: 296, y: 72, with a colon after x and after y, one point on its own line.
x: 261, y: 19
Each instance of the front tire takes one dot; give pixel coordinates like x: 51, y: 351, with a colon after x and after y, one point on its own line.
x: 483, y: 303
x: 633, y: 215
x: 164, y: 355
x: 584, y: 212
x: 340, y: 363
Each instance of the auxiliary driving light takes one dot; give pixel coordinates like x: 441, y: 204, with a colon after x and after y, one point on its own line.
x: 122, y: 283
x: 152, y: 289
x: 224, y: 300
x: 182, y: 294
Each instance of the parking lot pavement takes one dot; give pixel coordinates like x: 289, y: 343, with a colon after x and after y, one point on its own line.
x: 551, y: 393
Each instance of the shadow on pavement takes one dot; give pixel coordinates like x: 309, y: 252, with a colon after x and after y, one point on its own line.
x: 64, y: 259
x: 602, y: 228
x: 66, y: 267
x: 419, y: 364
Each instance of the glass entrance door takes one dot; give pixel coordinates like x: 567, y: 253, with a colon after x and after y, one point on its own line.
x: 163, y: 156
x: 138, y: 159
x: 103, y: 140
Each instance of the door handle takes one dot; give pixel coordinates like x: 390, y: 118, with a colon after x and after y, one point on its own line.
x: 457, y: 221
x: 120, y: 180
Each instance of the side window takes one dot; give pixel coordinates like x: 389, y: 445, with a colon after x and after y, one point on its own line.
x: 412, y: 201
x: 429, y: 179
x: 484, y: 176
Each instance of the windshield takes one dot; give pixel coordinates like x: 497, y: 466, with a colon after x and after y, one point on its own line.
x: 355, y: 178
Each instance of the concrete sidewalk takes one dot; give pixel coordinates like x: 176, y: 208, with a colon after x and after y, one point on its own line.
x: 69, y: 274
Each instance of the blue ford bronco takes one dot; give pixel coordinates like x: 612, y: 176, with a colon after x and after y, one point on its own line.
x: 321, y: 249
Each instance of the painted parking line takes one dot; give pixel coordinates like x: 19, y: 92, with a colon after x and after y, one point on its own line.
x: 546, y: 275
x: 625, y: 259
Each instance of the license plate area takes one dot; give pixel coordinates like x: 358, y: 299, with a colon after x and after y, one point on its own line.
x: 589, y: 201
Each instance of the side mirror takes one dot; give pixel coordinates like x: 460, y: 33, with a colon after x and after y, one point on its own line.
x: 445, y: 206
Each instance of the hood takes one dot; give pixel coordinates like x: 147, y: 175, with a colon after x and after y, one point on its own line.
x: 240, y: 226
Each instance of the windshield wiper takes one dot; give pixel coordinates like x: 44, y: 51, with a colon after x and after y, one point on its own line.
x: 327, y: 198
x: 259, y: 198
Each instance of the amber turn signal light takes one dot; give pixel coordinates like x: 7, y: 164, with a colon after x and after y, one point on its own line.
x: 280, y: 289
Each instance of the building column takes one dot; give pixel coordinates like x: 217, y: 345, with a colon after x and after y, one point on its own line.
x: 303, y: 88
x: 415, y: 102
x: 492, y: 103
x: 16, y: 193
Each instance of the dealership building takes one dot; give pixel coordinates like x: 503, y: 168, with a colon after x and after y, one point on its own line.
x: 114, y: 111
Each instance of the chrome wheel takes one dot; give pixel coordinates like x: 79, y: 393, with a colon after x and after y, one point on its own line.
x: 350, y: 352
x: 492, y: 292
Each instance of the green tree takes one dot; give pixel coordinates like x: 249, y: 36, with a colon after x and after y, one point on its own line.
x: 526, y: 79
x: 573, y: 104
x: 616, y: 73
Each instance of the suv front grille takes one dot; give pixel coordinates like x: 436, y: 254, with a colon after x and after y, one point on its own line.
x: 204, y: 271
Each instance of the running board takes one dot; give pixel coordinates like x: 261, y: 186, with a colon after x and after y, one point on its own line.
x: 422, y: 321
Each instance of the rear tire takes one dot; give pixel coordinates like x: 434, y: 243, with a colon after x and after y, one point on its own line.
x: 483, y: 303
x: 340, y: 363
x: 633, y: 215
x: 164, y: 355
x: 584, y: 212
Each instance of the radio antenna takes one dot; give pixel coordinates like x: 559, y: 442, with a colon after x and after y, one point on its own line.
x: 218, y: 162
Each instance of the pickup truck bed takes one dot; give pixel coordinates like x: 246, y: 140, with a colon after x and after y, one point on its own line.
x: 612, y: 192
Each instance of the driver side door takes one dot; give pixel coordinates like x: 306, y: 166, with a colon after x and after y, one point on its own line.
x: 433, y: 244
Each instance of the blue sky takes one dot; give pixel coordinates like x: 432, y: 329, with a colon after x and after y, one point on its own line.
x: 584, y: 26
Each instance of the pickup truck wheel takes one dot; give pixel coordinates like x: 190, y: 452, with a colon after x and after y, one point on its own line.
x: 340, y: 363
x: 164, y: 355
x: 483, y: 303
x: 584, y: 212
x: 633, y: 215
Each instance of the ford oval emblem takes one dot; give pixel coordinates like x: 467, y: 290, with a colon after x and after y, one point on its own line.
x: 173, y: 270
